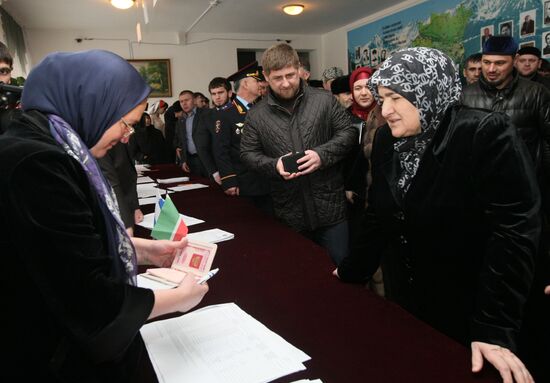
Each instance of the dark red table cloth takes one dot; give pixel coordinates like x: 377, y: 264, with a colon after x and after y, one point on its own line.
x: 284, y: 280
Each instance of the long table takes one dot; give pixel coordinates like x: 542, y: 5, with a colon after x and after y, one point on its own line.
x: 284, y: 280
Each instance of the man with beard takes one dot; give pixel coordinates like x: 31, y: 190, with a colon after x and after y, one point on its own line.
x: 308, y: 192
x: 220, y: 91
x: 527, y: 103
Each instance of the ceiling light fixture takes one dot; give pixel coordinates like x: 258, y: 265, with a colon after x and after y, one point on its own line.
x: 293, y: 9
x: 122, y: 4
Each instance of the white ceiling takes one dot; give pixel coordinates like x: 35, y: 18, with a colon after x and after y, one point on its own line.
x: 229, y: 16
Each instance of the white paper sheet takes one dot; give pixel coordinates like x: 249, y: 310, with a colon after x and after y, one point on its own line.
x: 172, y: 180
x: 188, y: 187
x: 150, y: 283
x: 211, y: 236
x: 219, y: 344
x: 144, y: 180
x: 149, y: 219
x: 147, y: 201
x: 149, y: 190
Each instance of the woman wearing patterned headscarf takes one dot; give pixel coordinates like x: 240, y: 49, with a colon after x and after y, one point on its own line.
x: 74, y: 308
x: 453, y: 209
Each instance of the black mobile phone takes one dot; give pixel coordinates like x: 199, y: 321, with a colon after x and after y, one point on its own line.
x: 290, y: 163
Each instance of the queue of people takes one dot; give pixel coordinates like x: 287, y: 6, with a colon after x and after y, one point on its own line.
x: 400, y: 168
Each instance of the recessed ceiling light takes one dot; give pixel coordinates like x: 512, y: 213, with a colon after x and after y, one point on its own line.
x: 293, y: 9
x: 122, y: 4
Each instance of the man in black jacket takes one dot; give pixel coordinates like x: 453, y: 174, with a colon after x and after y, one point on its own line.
x: 298, y: 118
x: 500, y: 88
x: 220, y: 91
x: 528, y: 62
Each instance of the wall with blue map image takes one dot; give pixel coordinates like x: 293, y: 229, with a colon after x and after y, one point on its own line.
x: 456, y: 27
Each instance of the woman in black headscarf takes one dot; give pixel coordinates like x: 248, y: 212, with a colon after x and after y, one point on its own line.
x: 73, y: 308
x: 454, y: 209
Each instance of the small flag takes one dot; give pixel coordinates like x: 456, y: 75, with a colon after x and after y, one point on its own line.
x: 169, y: 224
x: 158, y: 207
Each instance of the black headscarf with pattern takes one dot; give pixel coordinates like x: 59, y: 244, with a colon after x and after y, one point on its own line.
x: 429, y: 80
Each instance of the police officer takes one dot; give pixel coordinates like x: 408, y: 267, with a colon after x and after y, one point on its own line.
x: 236, y: 179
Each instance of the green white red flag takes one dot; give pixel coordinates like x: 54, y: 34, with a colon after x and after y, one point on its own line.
x: 169, y: 224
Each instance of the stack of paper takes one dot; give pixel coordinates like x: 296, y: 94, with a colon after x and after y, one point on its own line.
x: 149, y: 220
x: 146, y: 190
x: 144, y: 180
x: 211, y: 236
x: 219, y: 344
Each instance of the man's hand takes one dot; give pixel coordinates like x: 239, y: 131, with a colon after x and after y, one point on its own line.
x: 160, y: 253
x: 509, y: 366
x: 350, y: 196
x: 234, y: 191
x: 309, y: 163
x: 185, y: 167
x: 217, y: 178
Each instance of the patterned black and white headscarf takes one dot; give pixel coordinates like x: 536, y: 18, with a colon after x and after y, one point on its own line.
x: 429, y: 80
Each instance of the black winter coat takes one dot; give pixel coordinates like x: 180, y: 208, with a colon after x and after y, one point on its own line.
x: 318, y: 122
x: 461, y: 246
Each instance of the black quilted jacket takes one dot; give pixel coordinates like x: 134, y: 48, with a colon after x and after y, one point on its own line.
x: 318, y: 123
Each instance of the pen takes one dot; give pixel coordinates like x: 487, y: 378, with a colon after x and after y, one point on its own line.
x: 209, y: 275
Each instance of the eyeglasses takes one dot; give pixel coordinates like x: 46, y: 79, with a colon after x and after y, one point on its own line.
x: 129, y: 129
x: 5, y: 70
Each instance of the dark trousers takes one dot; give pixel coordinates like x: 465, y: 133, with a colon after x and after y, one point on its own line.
x: 195, y: 165
x: 334, y: 238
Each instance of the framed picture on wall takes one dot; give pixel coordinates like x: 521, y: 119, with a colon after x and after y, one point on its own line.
x: 527, y: 22
x: 527, y: 44
x: 156, y: 73
x: 546, y: 44
x: 365, y: 56
x: 506, y: 28
x: 484, y: 33
x: 546, y: 14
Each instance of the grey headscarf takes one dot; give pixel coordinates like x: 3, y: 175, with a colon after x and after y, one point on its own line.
x: 429, y: 80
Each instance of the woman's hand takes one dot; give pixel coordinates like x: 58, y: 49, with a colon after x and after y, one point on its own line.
x: 159, y: 253
x: 510, y: 367
x: 180, y: 299
x: 191, y: 293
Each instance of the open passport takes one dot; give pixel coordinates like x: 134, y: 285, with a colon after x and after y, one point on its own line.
x: 196, y: 258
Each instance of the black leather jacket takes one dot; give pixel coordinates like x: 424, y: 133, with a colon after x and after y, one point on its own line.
x: 528, y: 105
